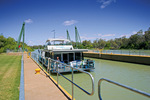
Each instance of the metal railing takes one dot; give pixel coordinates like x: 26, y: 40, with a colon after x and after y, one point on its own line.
x: 124, y: 52
x: 21, y: 94
x: 121, y: 85
x: 50, y: 61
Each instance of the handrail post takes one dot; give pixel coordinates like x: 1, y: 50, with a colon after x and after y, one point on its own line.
x: 48, y: 65
x: 57, y: 72
x: 42, y: 60
x: 72, y: 85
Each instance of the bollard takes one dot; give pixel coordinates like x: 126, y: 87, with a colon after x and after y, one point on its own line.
x: 37, y: 71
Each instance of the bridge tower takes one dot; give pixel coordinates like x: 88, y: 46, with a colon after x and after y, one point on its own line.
x: 77, y: 38
x: 22, y: 34
x: 68, y: 36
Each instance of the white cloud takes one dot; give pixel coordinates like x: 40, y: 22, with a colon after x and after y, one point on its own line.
x: 124, y: 35
x: 71, y: 22
x: 99, y: 34
x: 134, y: 32
x: 31, y: 43
x: 87, y: 38
x: 128, y: 35
x: 106, y: 35
x: 61, y: 37
x: 28, y: 21
x: 105, y: 3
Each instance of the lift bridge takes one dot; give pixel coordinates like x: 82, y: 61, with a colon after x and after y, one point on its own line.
x: 22, y: 34
x: 77, y: 38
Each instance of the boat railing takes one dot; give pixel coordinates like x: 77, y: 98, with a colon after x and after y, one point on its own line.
x: 120, y: 85
x: 50, y: 61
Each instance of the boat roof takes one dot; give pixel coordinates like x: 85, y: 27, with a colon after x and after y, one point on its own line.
x: 62, y: 40
x: 73, y: 50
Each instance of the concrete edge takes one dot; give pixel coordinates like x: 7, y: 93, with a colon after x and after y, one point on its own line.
x: 21, y: 93
x: 144, y: 60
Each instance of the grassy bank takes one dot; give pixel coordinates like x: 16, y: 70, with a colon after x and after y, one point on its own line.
x: 10, y: 67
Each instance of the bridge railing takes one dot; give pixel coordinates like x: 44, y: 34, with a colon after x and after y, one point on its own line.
x: 124, y: 52
x: 120, y: 85
x: 36, y: 57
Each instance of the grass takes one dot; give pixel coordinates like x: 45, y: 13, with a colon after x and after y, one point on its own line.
x: 10, y: 68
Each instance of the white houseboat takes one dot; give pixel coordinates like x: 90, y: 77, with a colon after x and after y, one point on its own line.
x: 61, y: 50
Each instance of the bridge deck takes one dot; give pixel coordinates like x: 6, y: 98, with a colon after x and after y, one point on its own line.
x: 38, y: 86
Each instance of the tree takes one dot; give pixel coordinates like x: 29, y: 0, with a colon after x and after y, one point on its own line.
x: 2, y: 43
x: 147, y: 39
x: 10, y: 43
x: 95, y: 43
x: 124, y: 42
x: 87, y: 44
x: 101, y: 43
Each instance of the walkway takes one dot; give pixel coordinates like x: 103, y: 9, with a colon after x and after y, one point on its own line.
x: 38, y: 86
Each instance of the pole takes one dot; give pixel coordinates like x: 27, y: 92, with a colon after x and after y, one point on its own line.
x: 54, y: 34
x: 23, y: 34
x: 76, y: 35
x: 72, y: 85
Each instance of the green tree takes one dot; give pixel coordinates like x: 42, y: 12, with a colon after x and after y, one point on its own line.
x: 2, y: 43
x: 10, y: 43
x: 147, y: 39
x: 101, y: 43
x: 95, y: 43
x: 87, y: 44
x: 124, y: 42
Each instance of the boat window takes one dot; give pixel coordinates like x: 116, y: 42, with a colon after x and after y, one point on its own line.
x: 57, y: 55
x: 47, y: 54
x: 59, y: 43
x: 71, y: 57
x: 82, y: 57
x: 78, y: 56
x: 65, y: 58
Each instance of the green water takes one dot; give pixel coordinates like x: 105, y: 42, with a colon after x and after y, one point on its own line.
x: 133, y: 75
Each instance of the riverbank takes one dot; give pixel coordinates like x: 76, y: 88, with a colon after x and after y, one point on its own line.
x: 120, y: 57
x: 10, y: 67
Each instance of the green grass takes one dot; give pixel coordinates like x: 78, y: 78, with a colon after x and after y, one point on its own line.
x: 10, y: 68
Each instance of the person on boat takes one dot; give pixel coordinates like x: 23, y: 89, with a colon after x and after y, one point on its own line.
x: 58, y: 59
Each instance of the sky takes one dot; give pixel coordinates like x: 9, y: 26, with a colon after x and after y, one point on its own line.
x: 94, y: 19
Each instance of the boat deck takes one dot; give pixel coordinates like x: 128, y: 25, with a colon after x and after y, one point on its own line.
x: 38, y: 86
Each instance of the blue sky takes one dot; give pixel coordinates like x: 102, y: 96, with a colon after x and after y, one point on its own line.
x: 106, y: 19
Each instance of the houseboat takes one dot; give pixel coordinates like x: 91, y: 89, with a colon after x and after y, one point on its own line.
x: 61, y: 50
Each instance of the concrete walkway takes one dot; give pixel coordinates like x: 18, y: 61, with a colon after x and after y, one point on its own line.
x: 38, y: 86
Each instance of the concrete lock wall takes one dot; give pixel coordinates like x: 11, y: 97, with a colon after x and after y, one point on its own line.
x: 123, y: 58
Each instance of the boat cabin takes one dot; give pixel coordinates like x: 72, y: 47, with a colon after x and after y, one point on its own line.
x: 65, y: 56
x: 52, y: 44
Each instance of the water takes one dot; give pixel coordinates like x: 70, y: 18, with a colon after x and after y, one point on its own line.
x: 133, y: 75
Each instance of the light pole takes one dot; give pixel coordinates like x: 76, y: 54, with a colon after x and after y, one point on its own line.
x: 54, y: 33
